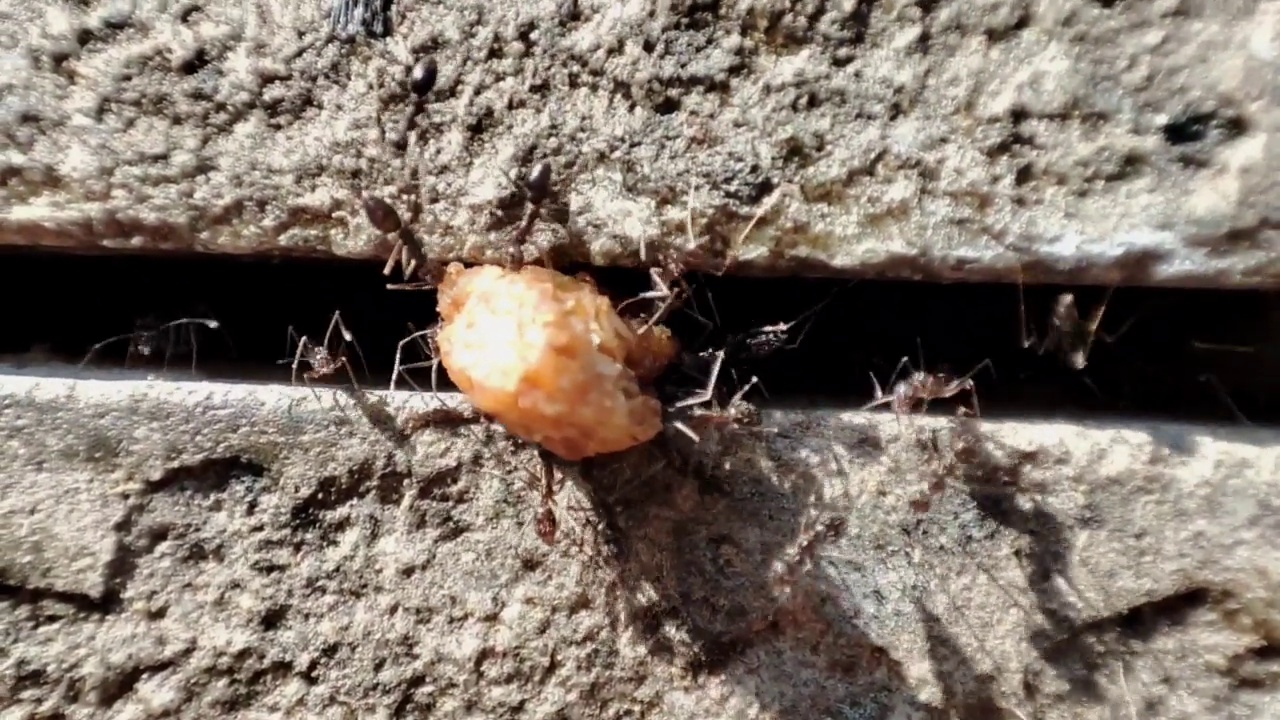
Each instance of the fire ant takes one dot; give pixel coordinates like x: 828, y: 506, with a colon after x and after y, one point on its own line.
x: 145, y: 340
x: 322, y: 361
x: 920, y: 386
x: 1068, y: 335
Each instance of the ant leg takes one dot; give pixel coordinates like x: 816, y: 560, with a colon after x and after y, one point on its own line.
x: 766, y: 208
x: 920, y: 352
x: 905, y: 361
x: 1028, y: 332
x: 347, y: 337
x: 661, y: 290
x: 880, y: 397
x: 98, y: 346
x: 973, y: 397
x: 342, y: 360
x: 737, y: 397
x: 662, y: 311
x: 172, y: 327
x: 984, y: 364
x: 1112, y: 337
x: 399, y: 256
x: 709, y: 391
x: 191, y: 334
x: 303, y: 343
x: 290, y: 339
x: 1092, y: 387
x: 688, y: 431
x: 308, y: 376
x: 1095, y: 319
x: 811, y: 313
x: 1212, y: 381
x: 546, y: 523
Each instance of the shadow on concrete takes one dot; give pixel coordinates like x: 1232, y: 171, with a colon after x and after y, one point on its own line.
x: 710, y: 552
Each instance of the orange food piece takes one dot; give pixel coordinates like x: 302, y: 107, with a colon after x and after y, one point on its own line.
x: 548, y: 356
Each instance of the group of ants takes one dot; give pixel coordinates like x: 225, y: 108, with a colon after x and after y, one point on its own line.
x: 1070, y: 335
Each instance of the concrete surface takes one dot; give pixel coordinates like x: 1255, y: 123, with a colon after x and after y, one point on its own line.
x: 197, y: 550
x: 1091, y: 141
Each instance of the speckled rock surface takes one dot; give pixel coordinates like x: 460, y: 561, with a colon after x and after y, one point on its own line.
x: 197, y: 550
x: 950, y: 139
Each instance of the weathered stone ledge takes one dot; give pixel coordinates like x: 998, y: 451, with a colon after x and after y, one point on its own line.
x: 201, y: 549
x: 1088, y: 142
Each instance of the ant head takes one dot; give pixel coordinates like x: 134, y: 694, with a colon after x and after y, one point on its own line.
x: 1077, y: 359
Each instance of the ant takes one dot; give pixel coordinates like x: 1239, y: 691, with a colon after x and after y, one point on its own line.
x: 546, y: 524
x: 665, y: 278
x: 537, y: 188
x: 738, y: 412
x: 323, y: 362
x: 145, y: 341
x: 826, y: 531
x: 1070, y: 336
x: 538, y: 194
x: 668, y: 291
x: 765, y: 341
x: 408, y: 252
x: 920, y: 386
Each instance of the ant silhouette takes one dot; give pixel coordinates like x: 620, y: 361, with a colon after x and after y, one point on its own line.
x: 145, y: 341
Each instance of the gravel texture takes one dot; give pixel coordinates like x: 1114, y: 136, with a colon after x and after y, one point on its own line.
x: 1089, y: 141
x: 196, y: 550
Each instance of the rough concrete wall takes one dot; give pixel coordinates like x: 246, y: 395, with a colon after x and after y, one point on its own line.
x: 203, y: 550
x: 1092, y: 141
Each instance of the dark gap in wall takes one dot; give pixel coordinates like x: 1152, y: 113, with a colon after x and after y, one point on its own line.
x: 1189, y: 355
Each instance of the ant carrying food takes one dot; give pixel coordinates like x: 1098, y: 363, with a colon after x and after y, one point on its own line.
x: 922, y: 387
x: 323, y: 362
x: 146, y: 339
